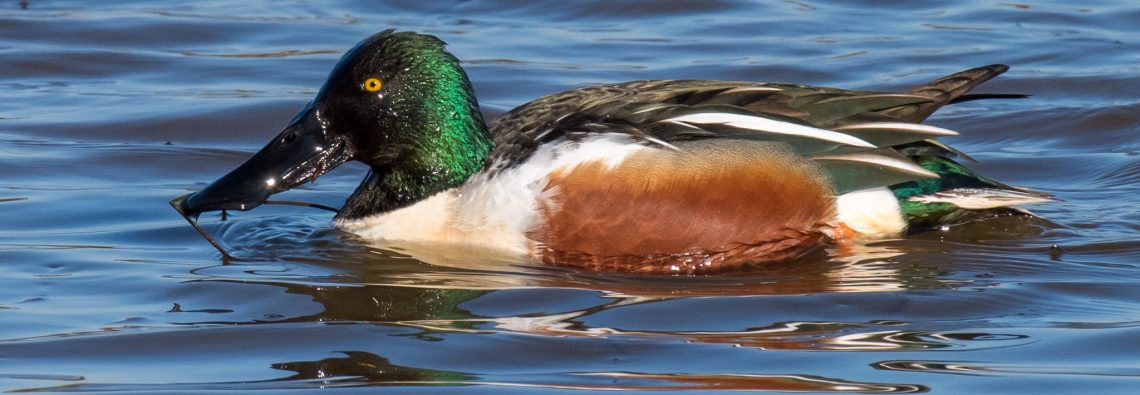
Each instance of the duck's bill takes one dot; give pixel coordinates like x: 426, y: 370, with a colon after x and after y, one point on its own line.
x: 301, y: 153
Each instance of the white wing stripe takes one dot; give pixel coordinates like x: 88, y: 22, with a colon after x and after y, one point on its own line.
x: 903, y: 165
x: 661, y: 142
x: 770, y: 126
x: 753, y: 89
x: 650, y: 108
x: 900, y: 127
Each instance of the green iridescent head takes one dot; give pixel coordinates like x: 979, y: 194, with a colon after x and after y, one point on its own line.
x: 397, y: 101
x: 399, y: 92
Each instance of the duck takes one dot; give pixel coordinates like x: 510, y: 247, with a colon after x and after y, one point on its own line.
x: 650, y: 176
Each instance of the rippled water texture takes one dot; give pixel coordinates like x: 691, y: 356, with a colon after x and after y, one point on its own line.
x: 110, y: 109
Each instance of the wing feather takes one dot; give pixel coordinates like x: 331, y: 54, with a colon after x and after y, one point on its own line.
x: 768, y: 125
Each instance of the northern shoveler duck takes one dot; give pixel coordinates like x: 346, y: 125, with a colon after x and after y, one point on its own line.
x: 669, y: 176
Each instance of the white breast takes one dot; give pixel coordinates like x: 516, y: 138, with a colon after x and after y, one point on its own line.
x: 496, y: 211
x: 874, y: 213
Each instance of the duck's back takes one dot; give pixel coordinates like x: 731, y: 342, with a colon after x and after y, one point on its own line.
x: 643, y: 109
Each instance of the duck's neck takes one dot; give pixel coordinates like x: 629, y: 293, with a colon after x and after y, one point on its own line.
x: 451, y: 144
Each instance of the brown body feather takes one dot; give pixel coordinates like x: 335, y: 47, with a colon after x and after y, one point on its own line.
x: 711, y: 206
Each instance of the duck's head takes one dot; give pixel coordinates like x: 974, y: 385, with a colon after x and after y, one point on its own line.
x: 398, y: 102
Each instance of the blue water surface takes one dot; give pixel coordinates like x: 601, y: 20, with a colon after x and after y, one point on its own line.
x: 110, y: 109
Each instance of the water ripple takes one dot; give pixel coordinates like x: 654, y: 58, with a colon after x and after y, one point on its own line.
x: 112, y: 109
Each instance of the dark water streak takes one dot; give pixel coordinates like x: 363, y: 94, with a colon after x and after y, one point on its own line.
x: 111, y: 109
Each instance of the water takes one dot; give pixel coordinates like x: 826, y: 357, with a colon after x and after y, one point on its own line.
x: 110, y: 109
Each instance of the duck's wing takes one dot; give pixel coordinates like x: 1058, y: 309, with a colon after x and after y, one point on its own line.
x: 852, y: 134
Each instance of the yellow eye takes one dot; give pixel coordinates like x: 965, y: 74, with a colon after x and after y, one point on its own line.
x: 372, y: 84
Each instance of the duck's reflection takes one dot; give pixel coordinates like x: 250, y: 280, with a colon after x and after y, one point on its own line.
x: 447, y: 298
x: 852, y: 268
x: 368, y: 367
x: 434, y: 301
x: 362, y: 368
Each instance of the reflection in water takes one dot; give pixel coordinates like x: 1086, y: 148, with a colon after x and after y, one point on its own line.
x: 927, y: 366
x: 818, y: 336
x: 379, y: 304
x: 849, y: 268
x: 440, y: 311
x: 45, y: 377
x: 792, y: 383
x: 366, y: 368
x: 978, y: 369
x: 875, y: 267
x: 362, y: 369
x: 438, y: 291
x: 869, y: 270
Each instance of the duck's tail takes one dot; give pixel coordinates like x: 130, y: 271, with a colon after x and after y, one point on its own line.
x: 958, y: 194
x: 953, y: 88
